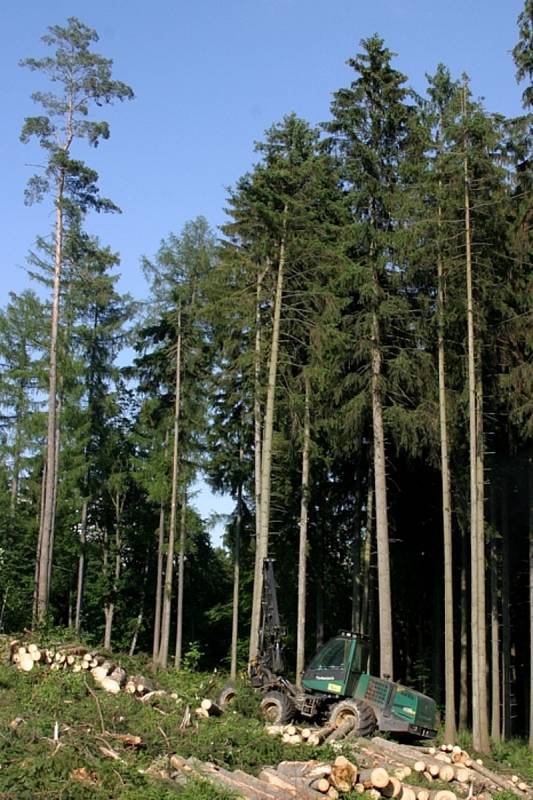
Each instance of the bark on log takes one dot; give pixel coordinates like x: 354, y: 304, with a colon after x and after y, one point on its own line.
x: 497, y: 780
x: 341, y: 731
x: 295, y: 787
x: 321, y: 734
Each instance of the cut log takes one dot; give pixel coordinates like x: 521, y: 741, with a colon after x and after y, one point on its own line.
x: 376, y: 778
x: 25, y: 662
x: 341, y: 731
x: 118, y: 675
x: 320, y: 785
x: 147, y: 698
x: 297, y: 769
x: 142, y: 684
x: 102, y: 671
x: 443, y: 794
x: 109, y: 685
x: 446, y: 773
x: 297, y: 787
x: 213, y: 710
x: 462, y: 774
x: 321, y: 734
x: 497, y: 780
x: 201, y: 713
x: 393, y: 788
x: 343, y: 774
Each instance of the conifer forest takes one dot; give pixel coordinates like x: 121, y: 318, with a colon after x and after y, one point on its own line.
x: 349, y: 358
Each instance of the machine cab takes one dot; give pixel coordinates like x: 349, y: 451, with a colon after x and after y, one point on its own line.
x: 336, y: 668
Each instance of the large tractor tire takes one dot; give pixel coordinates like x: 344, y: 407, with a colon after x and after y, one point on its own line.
x: 277, y: 708
x: 227, y: 695
x: 364, y: 715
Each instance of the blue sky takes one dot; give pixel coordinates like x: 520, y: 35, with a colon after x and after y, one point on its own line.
x: 209, y: 77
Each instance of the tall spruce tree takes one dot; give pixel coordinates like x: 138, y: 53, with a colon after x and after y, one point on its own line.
x: 83, y: 80
x: 373, y: 129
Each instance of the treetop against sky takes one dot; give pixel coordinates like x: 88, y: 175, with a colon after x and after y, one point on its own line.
x: 209, y: 78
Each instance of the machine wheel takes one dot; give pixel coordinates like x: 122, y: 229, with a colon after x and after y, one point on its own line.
x: 227, y: 695
x: 363, y: 713
x: 277, y: 708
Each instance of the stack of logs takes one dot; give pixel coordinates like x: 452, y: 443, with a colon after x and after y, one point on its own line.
x: 108, y: 675
x: 385, y: 776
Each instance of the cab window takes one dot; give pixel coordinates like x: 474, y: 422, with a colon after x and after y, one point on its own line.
x: 333, y: 656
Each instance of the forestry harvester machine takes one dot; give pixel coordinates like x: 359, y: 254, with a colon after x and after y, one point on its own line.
x: 336, y: 685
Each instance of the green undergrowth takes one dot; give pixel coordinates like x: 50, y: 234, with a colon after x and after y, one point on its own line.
x: 34, y: 765
x: 77, y: 765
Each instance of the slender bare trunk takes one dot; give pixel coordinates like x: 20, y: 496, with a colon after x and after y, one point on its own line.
x: 479, y: 715
x: 302, y: 554
x: 81, y: 567
x: 258, y: 566
x: 463, y: 660
x: 530, y: 515
x: 56, y: 479
x: 482, y: 605
x: 236, y: 579
x: 159, y: 581
x: 506, y: 617
x: 167, y: 591
x: 39, y: 547
x: 266, y: 449
x: 357, y: 577
x: 45, y: 545
x: 109, y: 608
x: 181, y: 579
x: 382, y: 529
x: 366, y: 560
x: 449, y: 660
x: 495, y: 636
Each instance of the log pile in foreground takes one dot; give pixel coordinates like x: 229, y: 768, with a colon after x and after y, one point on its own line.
x: 378, y: 767
x: 312, y: 780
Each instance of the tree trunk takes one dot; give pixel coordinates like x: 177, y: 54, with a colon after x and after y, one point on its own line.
x: 382, y: 531
x: 449, y: 660
x: 56, y: 479
x: 463, y: 661
x: 81, y: 567
x: 506, y: 617
x: 356, y: 562
x: 495, y: 632
x: 159, y: 582
x: 44, y: 554
x: 530, y: 498
x: 366, y: 560
x: 302, y: 553
x: 258, y: 566
x: 236, y: 579
x: 109, y: 608
x: 480, y: 739
x: 181, y: 578
x: 159, y: 568
x: 167, y: 592
x: 266, y: 449
x: 482, y: 605
x: 39, y: 544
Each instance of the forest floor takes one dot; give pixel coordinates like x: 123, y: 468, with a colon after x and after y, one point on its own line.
x: 62, y: 738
